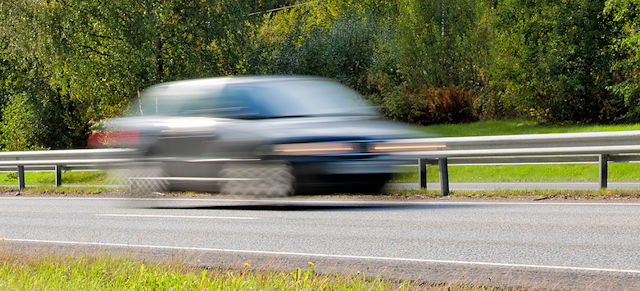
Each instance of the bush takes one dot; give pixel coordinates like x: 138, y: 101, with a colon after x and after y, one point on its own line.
x: 18, y: 128
x: 430, y: 105
x: 491, y: 104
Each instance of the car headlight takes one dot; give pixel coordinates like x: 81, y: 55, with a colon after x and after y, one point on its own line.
x: 399, y: 146
x: 322, y: 148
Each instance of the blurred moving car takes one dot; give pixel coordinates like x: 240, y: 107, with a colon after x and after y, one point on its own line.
x: 271, y: 136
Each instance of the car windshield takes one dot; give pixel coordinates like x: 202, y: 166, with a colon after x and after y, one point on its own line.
x: 307, y: 98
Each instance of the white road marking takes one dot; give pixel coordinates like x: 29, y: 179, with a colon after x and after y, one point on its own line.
x: 231, y: 200
x: 176, y: 216
x: 452, y: 262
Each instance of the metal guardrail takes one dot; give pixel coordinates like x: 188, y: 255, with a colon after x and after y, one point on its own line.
x: 61, y: 158
x: 65, y: 154
x: 444, y: 162
x: 593, y: 147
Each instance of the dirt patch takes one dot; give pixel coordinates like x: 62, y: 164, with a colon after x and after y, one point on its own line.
x: 459, y: 196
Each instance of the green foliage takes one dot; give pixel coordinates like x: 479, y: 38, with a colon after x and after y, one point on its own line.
x: 33, y: 114
x: 626, y: 47
x: 71, y: 63
x: 551, y: 57
x: 389, y: 51
x: 432, y: 42
x: 85, y: 60
x: 16, y: 129
x: 314, y: 40
x: 102, y: 53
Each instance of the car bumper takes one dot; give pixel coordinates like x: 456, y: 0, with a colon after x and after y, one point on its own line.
x: 359, y: 167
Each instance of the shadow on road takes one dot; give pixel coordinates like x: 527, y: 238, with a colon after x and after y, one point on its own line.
x: 316, y: 206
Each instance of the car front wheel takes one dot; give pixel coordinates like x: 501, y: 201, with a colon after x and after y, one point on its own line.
x: 265, y: 178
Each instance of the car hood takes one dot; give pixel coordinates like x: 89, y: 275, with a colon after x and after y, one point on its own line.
x: 330, y: 129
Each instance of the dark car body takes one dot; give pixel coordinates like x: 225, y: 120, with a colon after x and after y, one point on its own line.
x: 257, y: 135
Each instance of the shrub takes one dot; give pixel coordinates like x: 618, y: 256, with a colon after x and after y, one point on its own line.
x: 429, y: 105
x: 491, y: 103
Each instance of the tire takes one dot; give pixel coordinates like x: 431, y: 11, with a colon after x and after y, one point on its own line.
x: 147, y: 178
x: 266, y: 179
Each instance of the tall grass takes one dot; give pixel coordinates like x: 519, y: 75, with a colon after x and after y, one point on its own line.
x: 30, y: 272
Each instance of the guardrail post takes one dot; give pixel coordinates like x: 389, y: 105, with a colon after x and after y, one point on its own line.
x: 603, y: 162
x: 444, y: 176
x: 58, y: 175
x: 20, y: 177
x: 422, y: 172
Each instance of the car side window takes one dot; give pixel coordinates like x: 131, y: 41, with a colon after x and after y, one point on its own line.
x: 202, y: 105
x: 236, y: 102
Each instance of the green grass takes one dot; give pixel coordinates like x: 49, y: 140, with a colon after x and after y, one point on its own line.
x: 481, y: 173
x: 516, y: 127
x: 63, y: 190
x: 29, y: 272
x: 526, y: 173
x: 48, y: 178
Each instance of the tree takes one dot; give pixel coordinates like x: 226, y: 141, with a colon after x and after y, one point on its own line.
x: 626, y: 15
x: 90, y: 58
x: 551, y: 56
x: 315, y: 39
x: 436, y: 43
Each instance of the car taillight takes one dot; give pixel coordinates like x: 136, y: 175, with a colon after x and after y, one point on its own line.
x: 113, y: 138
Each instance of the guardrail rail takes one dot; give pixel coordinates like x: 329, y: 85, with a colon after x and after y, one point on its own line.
x: 591, y: 147
x: 61, y: 158
x: 588, y: 147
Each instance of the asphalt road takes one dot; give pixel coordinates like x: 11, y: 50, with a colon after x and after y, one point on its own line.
x: 546, y: 244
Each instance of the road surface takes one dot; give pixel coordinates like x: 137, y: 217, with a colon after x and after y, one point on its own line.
x: 546, y: 244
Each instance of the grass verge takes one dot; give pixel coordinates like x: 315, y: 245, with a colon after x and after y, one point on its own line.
x: 520, y: 194
x: 525, y: 173
x: 506, y: 127
x: 68, y: 177
x: 475, y: 173
x: 30, y: 272
x: 62, y: 190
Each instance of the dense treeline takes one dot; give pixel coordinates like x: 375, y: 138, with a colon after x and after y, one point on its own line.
x: 65, y: 64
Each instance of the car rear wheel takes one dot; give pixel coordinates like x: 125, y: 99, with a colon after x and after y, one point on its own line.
x: 266, y: 178
x: 147, y: 178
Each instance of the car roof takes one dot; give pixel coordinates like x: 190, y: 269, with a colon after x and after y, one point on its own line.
x: 221, y: 81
